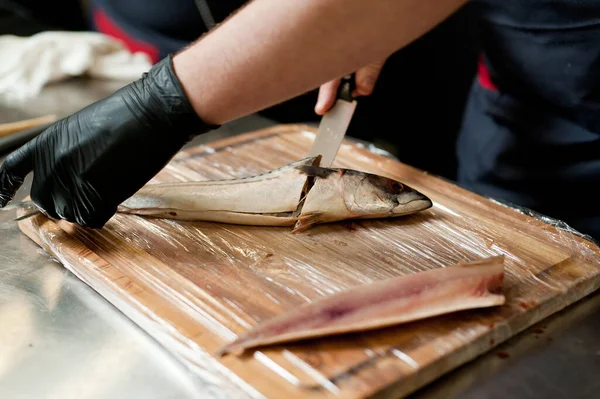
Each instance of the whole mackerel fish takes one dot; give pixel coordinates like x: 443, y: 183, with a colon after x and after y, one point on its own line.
x: 300, y: 194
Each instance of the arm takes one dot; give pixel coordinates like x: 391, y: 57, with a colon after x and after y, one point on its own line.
x: 273, y: 50
x: 88, y: 163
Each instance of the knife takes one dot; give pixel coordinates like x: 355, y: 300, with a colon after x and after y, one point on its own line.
x: 30, y: 208
x: 334, y: 123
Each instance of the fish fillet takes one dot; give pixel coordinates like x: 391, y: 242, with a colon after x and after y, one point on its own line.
x: 388, y: 302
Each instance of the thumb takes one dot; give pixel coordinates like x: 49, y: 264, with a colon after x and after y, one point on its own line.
x: 13, y: 171
x: 367, y: 76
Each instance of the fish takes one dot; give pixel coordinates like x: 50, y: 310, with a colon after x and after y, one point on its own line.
x: 301, y: 194
x: 393, y: 301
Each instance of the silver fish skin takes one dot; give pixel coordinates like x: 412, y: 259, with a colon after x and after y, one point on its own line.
x: 340, y: 194
x: 300, y: 194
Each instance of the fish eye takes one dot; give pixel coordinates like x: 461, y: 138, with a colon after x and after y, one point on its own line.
x: 394, y: 187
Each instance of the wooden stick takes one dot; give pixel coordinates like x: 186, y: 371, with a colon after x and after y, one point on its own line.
x: 6, y: 129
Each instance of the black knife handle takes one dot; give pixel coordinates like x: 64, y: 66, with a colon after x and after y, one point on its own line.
x: 347, y: 86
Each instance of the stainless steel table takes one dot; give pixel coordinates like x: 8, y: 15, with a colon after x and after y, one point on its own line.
x: 59, y: 339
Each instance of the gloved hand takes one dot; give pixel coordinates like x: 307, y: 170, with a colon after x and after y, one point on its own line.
x: 87, y: 164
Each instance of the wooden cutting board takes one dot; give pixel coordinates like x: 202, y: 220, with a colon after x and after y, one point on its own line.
x: 196, y: 286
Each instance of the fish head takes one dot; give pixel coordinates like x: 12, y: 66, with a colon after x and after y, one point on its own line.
x: 369, y: 195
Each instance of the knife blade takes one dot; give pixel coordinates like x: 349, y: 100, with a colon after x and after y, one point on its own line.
x: 334, y: 124
x: 30, y: 208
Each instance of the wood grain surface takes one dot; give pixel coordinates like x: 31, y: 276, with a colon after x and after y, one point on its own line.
x: 196, y: 286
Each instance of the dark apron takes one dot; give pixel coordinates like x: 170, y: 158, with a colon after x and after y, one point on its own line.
x: 531, y: 131
x: 156, y: 27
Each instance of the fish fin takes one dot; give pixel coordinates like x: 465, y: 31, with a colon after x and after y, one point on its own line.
x: 310, y: 161
x: 316, y: 171
x: 317, y: 160
x: 306, y: 221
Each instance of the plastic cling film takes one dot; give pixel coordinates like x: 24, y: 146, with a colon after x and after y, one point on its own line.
x: 561, y: 226
x: 196, y: 286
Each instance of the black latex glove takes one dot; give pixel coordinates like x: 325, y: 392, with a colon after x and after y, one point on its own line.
x: 87, y: 164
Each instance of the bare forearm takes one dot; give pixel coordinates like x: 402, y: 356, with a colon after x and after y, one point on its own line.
x: 273, y: 50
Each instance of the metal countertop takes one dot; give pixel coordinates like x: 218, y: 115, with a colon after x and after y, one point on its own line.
x: 60, y: 339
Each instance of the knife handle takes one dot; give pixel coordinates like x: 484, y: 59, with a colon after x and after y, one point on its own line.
x: 347, y: 86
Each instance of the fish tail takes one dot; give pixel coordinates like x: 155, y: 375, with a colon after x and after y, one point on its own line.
x: 236, y: 350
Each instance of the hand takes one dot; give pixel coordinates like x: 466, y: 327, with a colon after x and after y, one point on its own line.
x: 366, y: 77
x: 85, y: 165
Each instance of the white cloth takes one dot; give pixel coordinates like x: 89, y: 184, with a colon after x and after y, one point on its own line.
x: 27, y: 64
